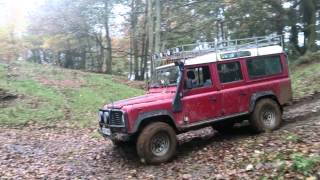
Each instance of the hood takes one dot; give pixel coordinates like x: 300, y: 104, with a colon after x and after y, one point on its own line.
x: 150, y: 97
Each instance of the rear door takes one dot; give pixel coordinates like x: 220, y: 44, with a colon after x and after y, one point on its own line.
x: 235, y: 95
x: 203, y: 101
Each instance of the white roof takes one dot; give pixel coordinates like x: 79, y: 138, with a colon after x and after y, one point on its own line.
x: 214, y: 57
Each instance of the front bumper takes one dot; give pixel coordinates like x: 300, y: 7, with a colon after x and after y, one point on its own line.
x: 112, y: 124
x: 116, y: 136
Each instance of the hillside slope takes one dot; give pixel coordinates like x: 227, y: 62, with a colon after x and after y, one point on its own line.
x: 305, y: 79
x: 45, y: 94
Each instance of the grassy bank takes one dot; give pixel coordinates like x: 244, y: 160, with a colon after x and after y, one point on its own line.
x: 48, y: 94
x: 305, y: 75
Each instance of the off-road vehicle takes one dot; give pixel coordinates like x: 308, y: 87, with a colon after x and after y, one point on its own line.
x: 213, y: 84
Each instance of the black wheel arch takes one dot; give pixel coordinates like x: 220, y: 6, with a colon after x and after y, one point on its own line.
x: 154, y: 116
x: 262, y: 95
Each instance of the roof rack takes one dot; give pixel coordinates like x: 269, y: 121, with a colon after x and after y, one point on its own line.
x: 188, y: 51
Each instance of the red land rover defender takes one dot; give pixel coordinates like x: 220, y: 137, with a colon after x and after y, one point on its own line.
x: 208, y: 84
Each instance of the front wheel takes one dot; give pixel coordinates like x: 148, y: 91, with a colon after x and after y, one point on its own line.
x: 156, y: 143
x: 266, y: 116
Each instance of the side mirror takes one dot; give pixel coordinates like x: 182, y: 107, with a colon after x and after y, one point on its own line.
x: 180, y: 65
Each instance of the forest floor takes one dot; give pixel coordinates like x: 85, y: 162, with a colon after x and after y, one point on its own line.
x: 54, y: 148
x: 292, y: 152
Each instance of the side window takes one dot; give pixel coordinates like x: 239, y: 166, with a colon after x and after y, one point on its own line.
x: 198, y: 77
x: 264, y: 66
x: 230, y: 72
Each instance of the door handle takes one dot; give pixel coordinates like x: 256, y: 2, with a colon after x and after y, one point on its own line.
x: 212, y: 99
x: 242, y: 93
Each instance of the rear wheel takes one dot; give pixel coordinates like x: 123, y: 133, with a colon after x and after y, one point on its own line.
x: 156, y: 143
x: 266, y: 116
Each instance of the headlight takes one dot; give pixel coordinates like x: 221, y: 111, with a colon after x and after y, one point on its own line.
x: 103, y: 117
x: 113, y: 118
x: 100, y: 117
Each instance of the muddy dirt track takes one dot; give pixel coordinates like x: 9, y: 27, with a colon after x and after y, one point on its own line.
x: 58, y: 153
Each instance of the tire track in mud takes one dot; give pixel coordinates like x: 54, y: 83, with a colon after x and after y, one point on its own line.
x: 302, y: 109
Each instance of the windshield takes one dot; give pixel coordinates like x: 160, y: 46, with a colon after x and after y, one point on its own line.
x: 167, y: 76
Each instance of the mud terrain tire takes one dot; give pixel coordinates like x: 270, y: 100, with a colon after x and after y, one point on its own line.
x: 266, y: 116
x: 156, y: 143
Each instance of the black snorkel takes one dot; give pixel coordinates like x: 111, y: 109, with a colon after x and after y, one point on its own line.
x: 176, y: 104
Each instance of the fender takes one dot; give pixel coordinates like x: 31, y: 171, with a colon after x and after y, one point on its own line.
x: 143, y: 117
x: 258, y: 95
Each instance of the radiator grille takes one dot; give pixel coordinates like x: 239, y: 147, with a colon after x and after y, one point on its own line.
x: 116, y: 118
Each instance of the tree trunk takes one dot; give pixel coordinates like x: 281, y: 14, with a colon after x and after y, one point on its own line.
x: 35, y: 56
x: 279, y: 18
x: 218, y: 30
x: 292, y: 22
x: 58, y: 59
x: 100, y: 60
x: 222, y: 31
x: 150, y: 27
x: 83, y: 58
x: 108, y: 56
x: 167, y: 9
x: 131, y: 52
x: 69, y: 60
x: 309, y: 17
x: 135, y: 51
x: 145, y: 44
x: 158, y: 27
x: 132, y: 38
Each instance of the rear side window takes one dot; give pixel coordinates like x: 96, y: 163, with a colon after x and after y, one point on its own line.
x: 264, y: 66
x: 230, y: 72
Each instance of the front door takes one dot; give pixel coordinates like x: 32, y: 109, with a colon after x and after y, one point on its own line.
x: 201, y: 99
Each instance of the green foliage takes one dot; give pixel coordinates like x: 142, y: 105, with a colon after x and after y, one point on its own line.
x: 255, y: 18
x: 120, y: 66
x: 303, y: 164
x: 292, y: 138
